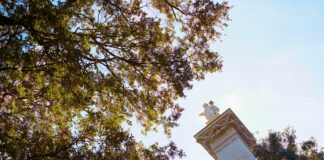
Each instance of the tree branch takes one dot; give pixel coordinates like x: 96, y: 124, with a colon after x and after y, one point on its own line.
x: 7, y: 21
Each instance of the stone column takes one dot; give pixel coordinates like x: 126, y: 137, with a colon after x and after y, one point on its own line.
x: 226, y: 138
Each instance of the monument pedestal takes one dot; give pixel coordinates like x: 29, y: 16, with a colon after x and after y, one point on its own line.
x: 226, y: 138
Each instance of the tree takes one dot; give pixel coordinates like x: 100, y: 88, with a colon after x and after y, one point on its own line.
x: 73, y: 71
x: 283, y: 146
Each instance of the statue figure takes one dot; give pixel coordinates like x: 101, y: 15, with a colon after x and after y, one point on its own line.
x: 211, y: 111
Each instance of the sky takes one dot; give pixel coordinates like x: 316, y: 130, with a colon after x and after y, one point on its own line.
x: 273, y: 74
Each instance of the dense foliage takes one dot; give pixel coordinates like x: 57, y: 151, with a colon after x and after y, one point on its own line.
x: 283, y: 146
x: 73, y: 71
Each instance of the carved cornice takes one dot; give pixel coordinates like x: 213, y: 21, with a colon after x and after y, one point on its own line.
x: 218, y: 126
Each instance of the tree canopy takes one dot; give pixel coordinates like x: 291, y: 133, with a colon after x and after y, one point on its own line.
x: 73, y: 71
x: 283, y: 146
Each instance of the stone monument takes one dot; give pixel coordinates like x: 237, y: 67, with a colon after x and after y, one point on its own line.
x: 225, y: 137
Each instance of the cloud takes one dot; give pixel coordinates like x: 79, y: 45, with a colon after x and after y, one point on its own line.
x: 233, y: 101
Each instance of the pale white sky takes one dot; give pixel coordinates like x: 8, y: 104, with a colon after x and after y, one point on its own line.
x: 273, y: 74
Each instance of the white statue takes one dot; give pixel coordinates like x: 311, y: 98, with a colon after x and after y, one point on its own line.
x: 211, y: 111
